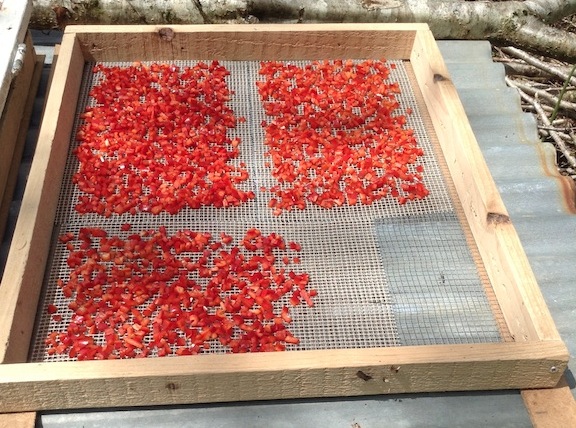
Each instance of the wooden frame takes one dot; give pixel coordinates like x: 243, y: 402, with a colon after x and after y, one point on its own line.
x: 536, y: 358
x: 15, y: 18
x: 14, y: 126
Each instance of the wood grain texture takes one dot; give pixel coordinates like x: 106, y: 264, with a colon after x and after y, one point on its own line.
x: 279, y: 375
x: 512, y: 279
x: 13, y: 130
x: 19, y: 149
x: 513, y: 282
x: 25, y: 265
x: 18, y: 420
x: 246, y: 42
x: 551, y: 408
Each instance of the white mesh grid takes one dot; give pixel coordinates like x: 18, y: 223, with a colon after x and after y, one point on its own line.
x: 346, y: 250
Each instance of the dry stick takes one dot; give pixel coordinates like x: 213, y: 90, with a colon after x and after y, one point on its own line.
x: 548, y: 98
x: 572, y: 136
x: 523, y: 69
x: 518, y: 53
x: 555, y: 135
x: 561, y: 133
x: 556, y: 128
x: 531, y: 107
x: 556, y: 89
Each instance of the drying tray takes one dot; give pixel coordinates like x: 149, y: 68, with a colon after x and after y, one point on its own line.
x: 455, y: 308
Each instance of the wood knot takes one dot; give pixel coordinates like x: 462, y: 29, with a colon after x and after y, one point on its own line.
x: 439, y: 78
x: 497, y: 218
x: 172, y: 386
x: 166, y: 34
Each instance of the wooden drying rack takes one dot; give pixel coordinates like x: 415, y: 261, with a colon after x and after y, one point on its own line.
x: 534, y: 358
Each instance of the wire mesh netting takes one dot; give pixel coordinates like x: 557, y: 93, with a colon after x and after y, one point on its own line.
x: 386, y: 274
x: 434, y: 281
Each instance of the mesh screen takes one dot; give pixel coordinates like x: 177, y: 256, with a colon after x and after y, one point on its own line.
x: 434, y: 282
x: 386, y: 274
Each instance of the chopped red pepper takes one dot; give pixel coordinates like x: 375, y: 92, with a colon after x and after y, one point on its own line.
x: 161, y: 294
x: 156, y: 139
x: 335, y: 136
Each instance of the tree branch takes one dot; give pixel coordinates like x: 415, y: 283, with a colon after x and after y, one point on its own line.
x: 200, y: 9
x: 529, y: 59
x: 520, y: 23
x: 540, y: 38
x: 551, y: 11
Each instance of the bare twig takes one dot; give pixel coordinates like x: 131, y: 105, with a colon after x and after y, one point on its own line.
x: 557, y: 89
x: 570, y: 108
x: 520, y: 69
x: 560, y: 144
x: 530, y: 108
x: 555, y: 128
x: 513, y: 66
x: 555, y: 71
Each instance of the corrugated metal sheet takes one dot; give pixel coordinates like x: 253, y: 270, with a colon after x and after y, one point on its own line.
x: 535, y: 200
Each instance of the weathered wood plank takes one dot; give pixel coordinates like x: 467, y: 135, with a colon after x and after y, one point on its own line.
x: 245, y: 42
x: 278, y: 375
x: 13, y: 127
x: 551, y: 408
x: 15, y: 17
x: 25, y: 265
x: 18, y: 420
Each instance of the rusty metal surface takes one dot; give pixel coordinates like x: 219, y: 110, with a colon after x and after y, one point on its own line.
x: 539, y: 204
